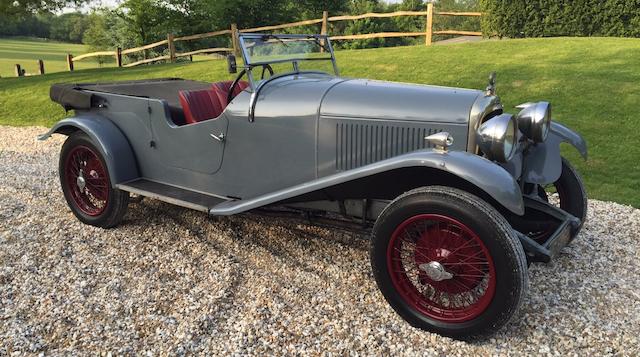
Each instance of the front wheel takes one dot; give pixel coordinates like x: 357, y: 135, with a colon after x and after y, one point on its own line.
x: 86, y: 185
x: 571, y: 195
x: 448, y: 262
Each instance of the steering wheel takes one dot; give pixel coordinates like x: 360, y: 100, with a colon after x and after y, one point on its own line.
x: 266, y: 67
x: 235, y: 84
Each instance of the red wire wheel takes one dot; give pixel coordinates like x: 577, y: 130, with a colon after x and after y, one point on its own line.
x: 441, y: 268
x: 86, y: 180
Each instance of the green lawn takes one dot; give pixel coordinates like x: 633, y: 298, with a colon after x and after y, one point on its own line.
x: 27, y: 51
x: 593, y: 83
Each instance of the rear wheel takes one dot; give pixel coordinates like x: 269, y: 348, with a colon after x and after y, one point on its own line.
x: 448, y: 262
x: 86, y: 185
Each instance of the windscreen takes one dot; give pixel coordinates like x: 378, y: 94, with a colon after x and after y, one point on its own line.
x: 280, y: 48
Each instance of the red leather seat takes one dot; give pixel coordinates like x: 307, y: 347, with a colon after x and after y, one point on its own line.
x: 199, y: 105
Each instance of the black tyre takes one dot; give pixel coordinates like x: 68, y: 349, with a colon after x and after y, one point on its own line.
x: 571, y: 193
x: 84, y: 177
x: 448, y: 262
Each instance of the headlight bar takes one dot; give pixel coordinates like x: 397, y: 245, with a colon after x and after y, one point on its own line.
x: 534, y: 120
x: 497, y: 137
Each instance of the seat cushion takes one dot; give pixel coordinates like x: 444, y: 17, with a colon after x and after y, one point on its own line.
x: 199, y: 105
x: 204, y: 104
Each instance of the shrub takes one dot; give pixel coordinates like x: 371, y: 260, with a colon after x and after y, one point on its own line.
x: 539, y: 18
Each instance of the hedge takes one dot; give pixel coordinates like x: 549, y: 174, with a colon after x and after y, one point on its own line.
x: 541, y: 18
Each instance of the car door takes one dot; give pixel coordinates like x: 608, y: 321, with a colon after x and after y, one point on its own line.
x: 195, y: 147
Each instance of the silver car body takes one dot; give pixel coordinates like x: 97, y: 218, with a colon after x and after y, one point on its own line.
x: 314, y: 137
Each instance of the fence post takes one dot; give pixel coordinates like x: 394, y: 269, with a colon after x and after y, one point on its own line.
x: 235, y: 40
x: 119, y: 57
x: 172, y: 48
x: 18, y: 70
x: 323, y: 29
x: 40, y: 66
x: 70, y: 62
x: 429, y: 28
x: 325, y: 22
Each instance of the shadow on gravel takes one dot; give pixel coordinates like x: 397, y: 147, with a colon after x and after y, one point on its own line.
x: 253, y: 232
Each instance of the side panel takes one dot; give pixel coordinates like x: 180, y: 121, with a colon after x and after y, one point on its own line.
x: 111, y: 142
x: 131, y: 116
x: 346, y: 143
x: 482, y: 173
x: 278, y: 149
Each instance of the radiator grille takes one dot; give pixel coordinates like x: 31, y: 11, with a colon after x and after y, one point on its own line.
x: 361, y: 144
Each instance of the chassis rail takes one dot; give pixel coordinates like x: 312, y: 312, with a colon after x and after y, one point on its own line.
x: 547, y: 250
x: 359, y: 216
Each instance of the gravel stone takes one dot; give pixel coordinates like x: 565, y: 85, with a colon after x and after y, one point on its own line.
x: 174, y: 281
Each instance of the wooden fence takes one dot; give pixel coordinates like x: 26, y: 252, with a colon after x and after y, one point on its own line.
x: 233, y: 31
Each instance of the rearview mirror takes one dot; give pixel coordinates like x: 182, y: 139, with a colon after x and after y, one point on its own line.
x: 231, y: 63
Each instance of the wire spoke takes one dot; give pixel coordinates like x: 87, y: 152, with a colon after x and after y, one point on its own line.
x: 436, y: 238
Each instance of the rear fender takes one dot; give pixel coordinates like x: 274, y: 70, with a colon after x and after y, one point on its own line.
x: 490, y: 178
x: 543, y: 163
x: 111, y: 142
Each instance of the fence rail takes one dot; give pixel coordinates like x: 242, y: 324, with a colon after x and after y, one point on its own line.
x: 365, y: 36
x: 324, y: 21
x: 283, y: 26
x: 377, y: 15
x: 202, y: 35
x: 141, y: 48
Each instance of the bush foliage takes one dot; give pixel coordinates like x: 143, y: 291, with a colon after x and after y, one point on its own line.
x: 545, y: 18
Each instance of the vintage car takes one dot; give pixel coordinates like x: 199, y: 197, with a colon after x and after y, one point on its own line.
x: 458, y: 196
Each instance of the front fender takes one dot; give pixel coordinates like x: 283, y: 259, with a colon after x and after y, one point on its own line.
x: 111, y: 142
x: 484, y: 174
x: 564, y: 134
x: 543, y: 162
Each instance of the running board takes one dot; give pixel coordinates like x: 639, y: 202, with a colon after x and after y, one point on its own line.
x: 172, y: 194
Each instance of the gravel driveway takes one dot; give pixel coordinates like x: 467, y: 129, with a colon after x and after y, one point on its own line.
x: 170, y: 280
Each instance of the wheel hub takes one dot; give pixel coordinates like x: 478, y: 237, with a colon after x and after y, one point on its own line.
x: 81, y: 182
x: 435, y: 271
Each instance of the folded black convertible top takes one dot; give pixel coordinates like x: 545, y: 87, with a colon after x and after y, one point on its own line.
x: 75, y: 96
x: 70, y: 96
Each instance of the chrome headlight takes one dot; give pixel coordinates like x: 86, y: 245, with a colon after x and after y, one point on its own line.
x: 534, y: 120
x: 497, y: 137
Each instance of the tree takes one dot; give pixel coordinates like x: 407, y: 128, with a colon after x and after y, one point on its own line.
x: 369, y: 25
x: 149, y: 20
x: 252, y: 13
x: 26, y: 24
x: 19, y: 7
x: 69, y: 27
x: 312, y: 9
x: 106, y: 31
x: 469, y: 23
x: 409, y: 23
x: 97, y: 36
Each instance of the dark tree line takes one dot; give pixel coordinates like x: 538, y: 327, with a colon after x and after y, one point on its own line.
x: 37, y: 18
x: 69, y: 27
